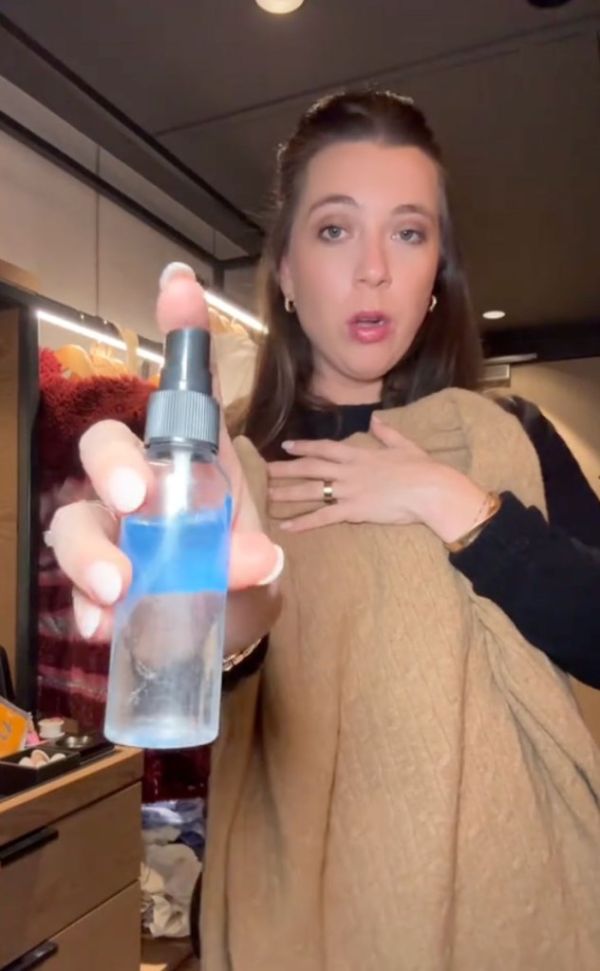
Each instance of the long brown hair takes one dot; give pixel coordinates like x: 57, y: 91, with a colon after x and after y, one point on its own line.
x: 446, y: 351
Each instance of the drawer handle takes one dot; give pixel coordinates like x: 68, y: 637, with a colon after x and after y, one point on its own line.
x: 34, y: 958
x: 26, y: 844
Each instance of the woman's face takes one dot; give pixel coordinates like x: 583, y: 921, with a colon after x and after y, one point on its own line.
x: 362, y: 261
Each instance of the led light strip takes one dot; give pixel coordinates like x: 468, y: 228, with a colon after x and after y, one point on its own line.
x: 96, y: 335
x: 219, y: 303
x: 212, y: 299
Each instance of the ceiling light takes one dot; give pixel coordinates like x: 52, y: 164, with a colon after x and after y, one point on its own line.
x: 548, y: 3
x: 279, y: 6
x: 494, y: 314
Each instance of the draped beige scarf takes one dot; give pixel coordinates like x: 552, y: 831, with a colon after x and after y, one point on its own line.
x: 408, y: 785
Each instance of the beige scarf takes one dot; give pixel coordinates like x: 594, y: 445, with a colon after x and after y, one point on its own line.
x: 408, y: 785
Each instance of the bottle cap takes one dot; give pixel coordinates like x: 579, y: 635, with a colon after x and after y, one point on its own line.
x: 183, y: 410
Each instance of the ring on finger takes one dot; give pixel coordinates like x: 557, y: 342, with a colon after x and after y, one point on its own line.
x: 328, y: 493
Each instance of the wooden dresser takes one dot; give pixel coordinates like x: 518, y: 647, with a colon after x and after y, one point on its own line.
x: 69, y: 867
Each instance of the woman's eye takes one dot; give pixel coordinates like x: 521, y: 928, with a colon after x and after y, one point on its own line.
x: 331, y: 233
x: 411, y: 235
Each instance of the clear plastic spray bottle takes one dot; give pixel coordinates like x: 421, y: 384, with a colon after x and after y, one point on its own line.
x: 164, y: 687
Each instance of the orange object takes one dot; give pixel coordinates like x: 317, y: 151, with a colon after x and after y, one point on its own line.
x: 14, y: 724
x: 74, y: 361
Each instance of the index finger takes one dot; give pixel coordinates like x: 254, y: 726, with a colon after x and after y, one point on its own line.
x: 114, y: 461
x: 322, y: 448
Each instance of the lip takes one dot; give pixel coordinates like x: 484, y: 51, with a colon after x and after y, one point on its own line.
x: 369, y: 315
x: 363, y: 328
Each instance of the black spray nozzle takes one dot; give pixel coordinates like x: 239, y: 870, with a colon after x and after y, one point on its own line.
x: 187, y: 361
x: 183, y: 409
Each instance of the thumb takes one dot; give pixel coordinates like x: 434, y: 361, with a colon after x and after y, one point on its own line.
x: 255, y: 561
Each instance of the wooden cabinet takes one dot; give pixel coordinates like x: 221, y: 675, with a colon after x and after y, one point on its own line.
x: 69, y: 866
x: 106, y: 938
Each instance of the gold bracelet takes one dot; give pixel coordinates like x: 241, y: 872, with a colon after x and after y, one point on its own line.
x: 232, y: 660
x: 489, y: 509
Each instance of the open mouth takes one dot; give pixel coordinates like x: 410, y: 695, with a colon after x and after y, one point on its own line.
x: 369, y: 326
x: 369, y: 320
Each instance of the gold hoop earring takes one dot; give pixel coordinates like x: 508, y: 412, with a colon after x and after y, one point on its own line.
x: 432, y: 303
x: 289, y: 305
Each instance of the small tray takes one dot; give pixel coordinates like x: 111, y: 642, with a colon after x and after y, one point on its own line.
x: 16, y: 778
x: 90, y: 745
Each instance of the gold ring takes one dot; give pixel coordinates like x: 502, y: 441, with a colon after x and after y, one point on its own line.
x: 328, y: 496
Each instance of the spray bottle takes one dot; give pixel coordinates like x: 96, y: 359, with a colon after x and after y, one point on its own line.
x: 164, y: 684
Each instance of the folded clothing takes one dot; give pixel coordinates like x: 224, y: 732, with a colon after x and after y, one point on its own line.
x: 173, y: 837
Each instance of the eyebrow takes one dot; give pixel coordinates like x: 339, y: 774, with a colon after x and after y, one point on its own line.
x: 404, y: 207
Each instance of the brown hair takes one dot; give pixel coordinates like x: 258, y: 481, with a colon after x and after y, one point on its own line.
x: 446, y: 351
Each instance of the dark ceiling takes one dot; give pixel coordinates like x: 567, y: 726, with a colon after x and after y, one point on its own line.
x: 513, y: 92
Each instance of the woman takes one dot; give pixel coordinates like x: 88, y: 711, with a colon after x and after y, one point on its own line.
x: 408, y: 784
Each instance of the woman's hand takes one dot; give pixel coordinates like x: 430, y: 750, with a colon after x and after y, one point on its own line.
x: 397, y: 484
x: 84, y: 535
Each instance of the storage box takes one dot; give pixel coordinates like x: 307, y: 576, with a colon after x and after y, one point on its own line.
x: 16, y: 778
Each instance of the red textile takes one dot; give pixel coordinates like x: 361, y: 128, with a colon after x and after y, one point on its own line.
x: 72, y: 673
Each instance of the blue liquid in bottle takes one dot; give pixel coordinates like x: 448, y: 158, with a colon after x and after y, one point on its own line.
x: 167, y: 653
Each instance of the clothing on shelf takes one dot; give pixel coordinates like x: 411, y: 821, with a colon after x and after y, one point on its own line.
x: 173, y: 837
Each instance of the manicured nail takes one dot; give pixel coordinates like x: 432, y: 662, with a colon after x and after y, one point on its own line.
x: 288, y: 446
x: 105, y: 582
x: 172, y: 270
x: 277, y: 569
x: 87, y: 617
x: 127, y: 490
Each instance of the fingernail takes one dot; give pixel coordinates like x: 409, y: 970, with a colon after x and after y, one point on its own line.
x: 277, y: 569
x: 288, y: 524
x: 127, y: 490
x: 172, y: 270
x: 105, y: 582
x: 87, y: 617
x: 288, y: 446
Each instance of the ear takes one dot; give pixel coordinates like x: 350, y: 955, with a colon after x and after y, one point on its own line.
x: 285, y: 278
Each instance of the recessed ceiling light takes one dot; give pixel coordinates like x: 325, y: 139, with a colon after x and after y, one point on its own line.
x: 494, y: 314
x: 547, y: 3
x: 279, y: 6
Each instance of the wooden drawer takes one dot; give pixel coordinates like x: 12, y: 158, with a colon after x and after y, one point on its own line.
x: 72, y: 866
x: 108, y: 939
x: 41, y: 805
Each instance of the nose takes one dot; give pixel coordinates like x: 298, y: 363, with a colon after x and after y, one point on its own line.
x: 373, y: 264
